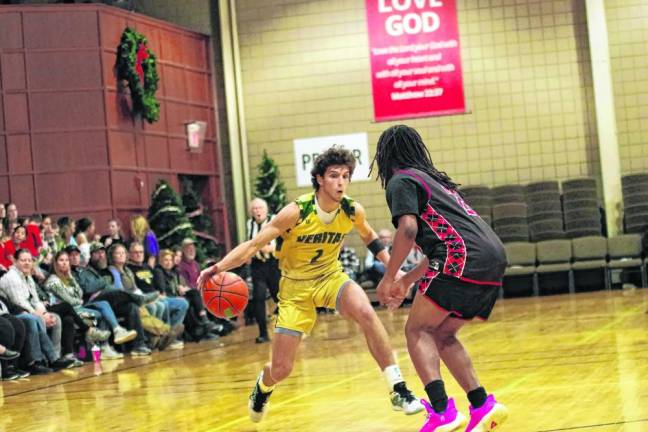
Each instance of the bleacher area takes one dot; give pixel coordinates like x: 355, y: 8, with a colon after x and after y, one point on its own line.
x: 555, y: 234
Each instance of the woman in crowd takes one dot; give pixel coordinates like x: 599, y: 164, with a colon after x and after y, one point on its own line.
x: 66, y: 289
x: 84, y: 235
x: 167, y: 280
x: 114, y: 234
x: 141, y: 232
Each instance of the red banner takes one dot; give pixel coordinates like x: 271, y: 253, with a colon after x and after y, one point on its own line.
x: 415, y: 58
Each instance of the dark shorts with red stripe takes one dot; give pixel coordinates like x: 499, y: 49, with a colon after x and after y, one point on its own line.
x: 463, y: 300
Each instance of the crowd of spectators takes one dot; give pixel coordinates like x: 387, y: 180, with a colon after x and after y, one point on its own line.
x: 65, y: 288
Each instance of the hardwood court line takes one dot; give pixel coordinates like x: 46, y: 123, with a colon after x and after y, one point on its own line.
x: 594, y: 425
x: 617, y: 320
x: 302, y: 395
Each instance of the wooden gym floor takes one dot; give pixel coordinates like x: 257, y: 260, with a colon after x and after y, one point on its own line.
x: 563, y: 363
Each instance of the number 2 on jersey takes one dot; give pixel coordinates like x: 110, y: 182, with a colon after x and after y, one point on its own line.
x: 318, y: 254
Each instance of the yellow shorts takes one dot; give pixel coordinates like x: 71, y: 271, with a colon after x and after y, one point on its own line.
x: 299, y: 298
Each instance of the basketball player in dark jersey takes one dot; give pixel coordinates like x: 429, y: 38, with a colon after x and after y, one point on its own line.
x: 458, y: 280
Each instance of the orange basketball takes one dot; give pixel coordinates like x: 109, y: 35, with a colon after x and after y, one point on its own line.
x: 225, y: 295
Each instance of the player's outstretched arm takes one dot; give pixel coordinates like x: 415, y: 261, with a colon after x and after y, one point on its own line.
x: 285, y: 220
x: 388, y: 292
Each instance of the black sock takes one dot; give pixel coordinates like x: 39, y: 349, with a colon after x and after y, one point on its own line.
x: 437, y: 395
x: 477, y: 397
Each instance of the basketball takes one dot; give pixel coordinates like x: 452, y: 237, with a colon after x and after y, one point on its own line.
x: 225, y: 295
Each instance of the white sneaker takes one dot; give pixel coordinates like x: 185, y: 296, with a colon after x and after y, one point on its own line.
x: 108, y: 353
x: 176, y: 345
x: 122, y: 335
x: 402, y: 399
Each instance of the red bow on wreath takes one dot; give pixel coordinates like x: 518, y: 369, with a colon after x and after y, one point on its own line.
x: 142, y: 54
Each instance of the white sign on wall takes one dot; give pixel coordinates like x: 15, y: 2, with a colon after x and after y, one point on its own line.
x: 307, y: 149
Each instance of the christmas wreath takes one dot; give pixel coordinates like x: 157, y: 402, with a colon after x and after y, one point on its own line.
x: 136, y: 65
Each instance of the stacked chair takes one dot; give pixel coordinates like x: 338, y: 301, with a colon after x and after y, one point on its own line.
x: 519, y: 279
x: 510, y: 213
x: 635, y: 202
x: 554, y: 266
x: 589, y: 268
x: 510, y: 222
x: 625, y: 254
x: 545, y: 211
x: 480, y: 199
x: 582, y: 214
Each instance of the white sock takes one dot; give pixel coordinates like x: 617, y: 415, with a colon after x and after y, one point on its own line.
x: 393, y: 376
x: 264, y: 388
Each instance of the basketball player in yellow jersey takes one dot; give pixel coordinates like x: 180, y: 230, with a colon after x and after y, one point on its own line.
x: 312, y: 229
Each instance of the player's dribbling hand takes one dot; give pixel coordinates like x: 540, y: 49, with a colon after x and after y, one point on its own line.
x: 383, y: 289
x: 206, y: 274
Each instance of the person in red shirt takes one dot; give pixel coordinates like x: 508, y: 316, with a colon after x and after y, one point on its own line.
x: 17, y: 241
x: 34, y: 240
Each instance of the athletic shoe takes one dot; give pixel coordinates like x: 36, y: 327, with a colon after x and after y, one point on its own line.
x: 9, y: 374
x: 402, y: 399
x: 141, y: 351
x: 447, y: 421
x: 122, y: 335
x: 37, y: 368
x: 108, y: 353
x: 488, y: 416
x: 62, y: 363
x: 94, y: 335
x: 9, y: 354
x: 258, y: 403
x: 176, y: 345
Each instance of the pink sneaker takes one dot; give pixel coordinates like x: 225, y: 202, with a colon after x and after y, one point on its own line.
x: 449, y: 420
x: 487, y: 417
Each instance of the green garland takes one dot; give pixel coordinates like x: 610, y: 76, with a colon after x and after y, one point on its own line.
x: 143, y: 96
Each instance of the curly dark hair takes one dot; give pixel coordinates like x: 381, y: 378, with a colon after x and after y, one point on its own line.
x: 401, y: 147
x: 335, y: 155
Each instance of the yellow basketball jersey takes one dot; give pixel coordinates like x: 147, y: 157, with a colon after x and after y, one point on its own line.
x: 311, y: 249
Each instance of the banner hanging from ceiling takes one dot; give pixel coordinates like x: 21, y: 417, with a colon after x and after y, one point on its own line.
x: 415, y: 58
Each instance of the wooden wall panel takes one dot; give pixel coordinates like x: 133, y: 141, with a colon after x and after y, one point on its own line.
x: 11, y: 34
x: 69, y: 150
x: 91, y: 189
x: 4, y: 189
x: 125, y: 190
x: 73, y: 191
x: 2, y: 123
x: 157, y: 152
x: 67, y: 110
x: 112, y: 26
x: 16, y: 118
x: 177, y: 116
x: 22, y: 192
x: 19, y: 154
x: 54, y: 194
x: 74, y: 70
x: 175, y: 81
x: 122, y: 149
x: 64, y: 29
x: 198, y: 87
x: 118, y: 111
x: 13, y: 71
x: 70, y: 141
x: 3, y: 155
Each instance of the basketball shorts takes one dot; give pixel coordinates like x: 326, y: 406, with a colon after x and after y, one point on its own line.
x: 463, y: 300
x: 298, y: 300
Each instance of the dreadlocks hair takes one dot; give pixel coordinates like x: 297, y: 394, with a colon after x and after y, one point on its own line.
x: 401, y: 147
x: 335, y: 155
